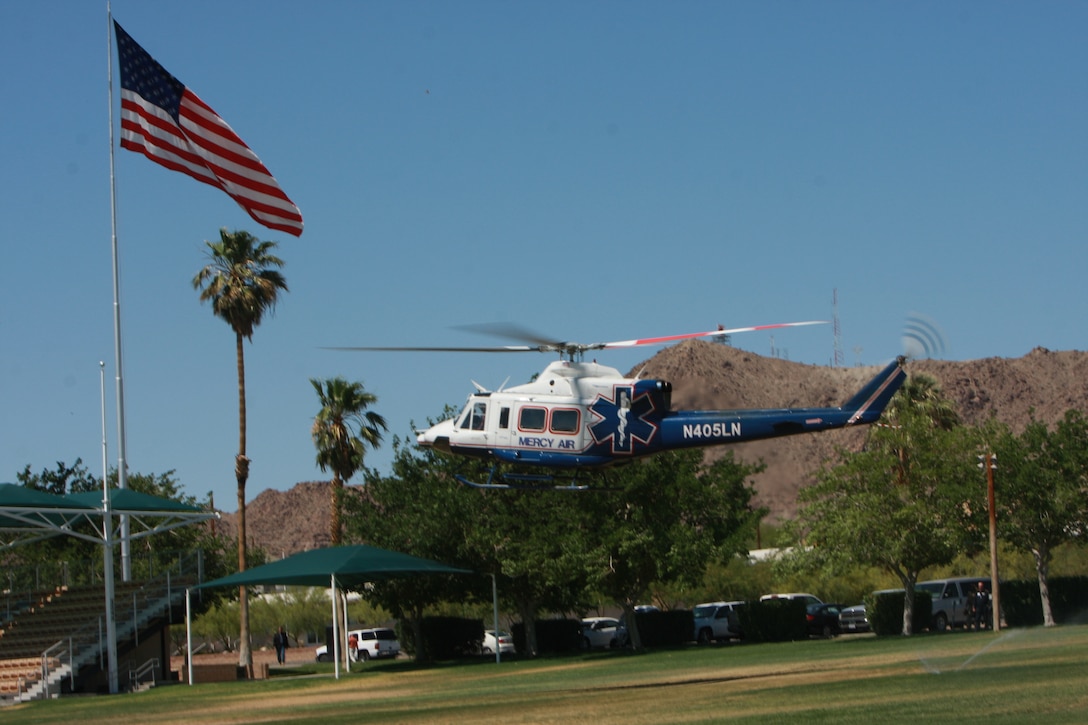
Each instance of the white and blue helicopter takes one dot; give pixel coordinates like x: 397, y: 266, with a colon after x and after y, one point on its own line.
x: 579, y: 415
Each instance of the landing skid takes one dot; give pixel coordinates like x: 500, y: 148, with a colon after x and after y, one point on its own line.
x: 523, y: 482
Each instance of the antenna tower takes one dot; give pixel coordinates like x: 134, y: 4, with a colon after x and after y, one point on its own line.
x: 837, y: 331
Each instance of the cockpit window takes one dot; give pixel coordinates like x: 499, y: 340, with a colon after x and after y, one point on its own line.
x: 473, y: 416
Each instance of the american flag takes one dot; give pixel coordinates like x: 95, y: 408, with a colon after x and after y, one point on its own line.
x: 169, y: 124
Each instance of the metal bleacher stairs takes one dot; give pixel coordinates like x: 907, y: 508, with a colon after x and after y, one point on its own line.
x: 51, y: 639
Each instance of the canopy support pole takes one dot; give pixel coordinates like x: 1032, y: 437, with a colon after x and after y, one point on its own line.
x: 189, y: 635
x: 335, y: 644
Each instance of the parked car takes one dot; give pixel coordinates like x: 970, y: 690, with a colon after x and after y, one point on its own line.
x: 505, y: 643
x: 717, y: 621
x: 854, y: 619
x: 822, y: 620
x: 377, y: 643
x: 603, y: 632
x: 806, y: 598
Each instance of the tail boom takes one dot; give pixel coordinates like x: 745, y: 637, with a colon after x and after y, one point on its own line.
x: 685, y: 429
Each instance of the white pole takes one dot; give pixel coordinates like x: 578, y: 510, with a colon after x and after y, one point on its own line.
x: 122, y: 473
x: 107, y: 548
x: 189, y: 634
x: 344, y: 632
x: 334, y: 646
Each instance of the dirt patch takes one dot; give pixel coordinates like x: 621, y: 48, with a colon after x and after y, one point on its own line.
x: 295, y: 656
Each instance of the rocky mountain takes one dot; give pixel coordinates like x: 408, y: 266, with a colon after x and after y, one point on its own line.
x: 714, y: 376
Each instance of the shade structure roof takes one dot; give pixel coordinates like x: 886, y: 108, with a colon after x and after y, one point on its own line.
x: 27, y: 515
x: 351, y: 565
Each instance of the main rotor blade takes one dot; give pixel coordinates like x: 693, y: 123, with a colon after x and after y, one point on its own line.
x: 691, y: 335
x: 543, y: 344
x: 503, y: 348
x: 511, y: 331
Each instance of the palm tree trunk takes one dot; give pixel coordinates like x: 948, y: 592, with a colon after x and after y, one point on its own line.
x: 241, y: 474
x: 334, y: 514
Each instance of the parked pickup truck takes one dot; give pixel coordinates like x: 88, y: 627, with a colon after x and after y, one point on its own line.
x: 716, y: 622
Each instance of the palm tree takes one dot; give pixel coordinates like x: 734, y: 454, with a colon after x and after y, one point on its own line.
x: 242, y: 284
x: 342, y: 431
x: 922, y: 394
x: 920, y: 399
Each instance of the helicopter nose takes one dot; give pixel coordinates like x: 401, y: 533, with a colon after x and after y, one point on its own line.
x: 437, y: 436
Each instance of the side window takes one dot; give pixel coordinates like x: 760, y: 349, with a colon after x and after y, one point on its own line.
x: 504, y: 418
x: 950, y: 591
x: 532, y: 419
x: 565, y: 420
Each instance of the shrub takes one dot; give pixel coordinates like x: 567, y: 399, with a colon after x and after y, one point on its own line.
x: 773, y: 620
x: 665, y: 629
x: 885, y: 612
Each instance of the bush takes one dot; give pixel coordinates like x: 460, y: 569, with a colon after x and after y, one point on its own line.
x: 773, y: 620
x: 665, y: 629
x: 552, y: 635
x: 444, y: 638
x: 1023, y: 607
x: 885, y: 612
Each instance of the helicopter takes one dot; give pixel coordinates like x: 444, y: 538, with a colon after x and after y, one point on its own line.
x: 578, y: 415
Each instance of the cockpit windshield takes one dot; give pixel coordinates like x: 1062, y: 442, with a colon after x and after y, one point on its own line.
x: 472, y: 417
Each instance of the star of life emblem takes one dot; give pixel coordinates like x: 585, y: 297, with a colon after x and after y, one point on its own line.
x: 621, y: 419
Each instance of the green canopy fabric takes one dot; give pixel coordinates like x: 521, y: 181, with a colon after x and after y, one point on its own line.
x: 28, y: 515
x: 351, y: 565
x: 125, y: 500
x: 24, y: 508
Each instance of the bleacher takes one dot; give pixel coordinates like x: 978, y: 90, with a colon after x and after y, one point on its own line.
x: 46, y: 632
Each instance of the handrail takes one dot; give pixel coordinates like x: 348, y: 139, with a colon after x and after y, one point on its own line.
x: 45, y: 663
x: 134, y: 675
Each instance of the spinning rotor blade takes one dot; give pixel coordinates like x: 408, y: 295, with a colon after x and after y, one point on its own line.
x: 713, y: 333
x: 503, y: 348
x: 539, y: 343
x: 922, y: 337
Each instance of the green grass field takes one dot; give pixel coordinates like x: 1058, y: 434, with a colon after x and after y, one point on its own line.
x: 1019, y: 675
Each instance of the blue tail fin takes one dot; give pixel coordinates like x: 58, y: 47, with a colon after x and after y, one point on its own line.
x: 871, y: 400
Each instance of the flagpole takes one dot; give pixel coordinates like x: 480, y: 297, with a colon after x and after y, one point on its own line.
x: 122, y: 473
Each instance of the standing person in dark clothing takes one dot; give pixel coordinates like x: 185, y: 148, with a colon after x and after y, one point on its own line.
x: 279, y: 641
x: 982, y: 607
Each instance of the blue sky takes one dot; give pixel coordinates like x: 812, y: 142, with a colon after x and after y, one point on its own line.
x: 594, y: 171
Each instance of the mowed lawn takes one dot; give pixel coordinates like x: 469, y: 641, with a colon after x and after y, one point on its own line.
x: 1018, y: 675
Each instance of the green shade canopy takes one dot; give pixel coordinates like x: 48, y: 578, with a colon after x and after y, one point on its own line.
x: 351, y: 565
x: 127, y: 501
x: 23, y: 508
x: 28, y: 515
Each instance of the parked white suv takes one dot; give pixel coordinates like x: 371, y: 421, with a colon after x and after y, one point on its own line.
x: 373, y: 644
x: 716, y: 621
x: 604, y: 632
